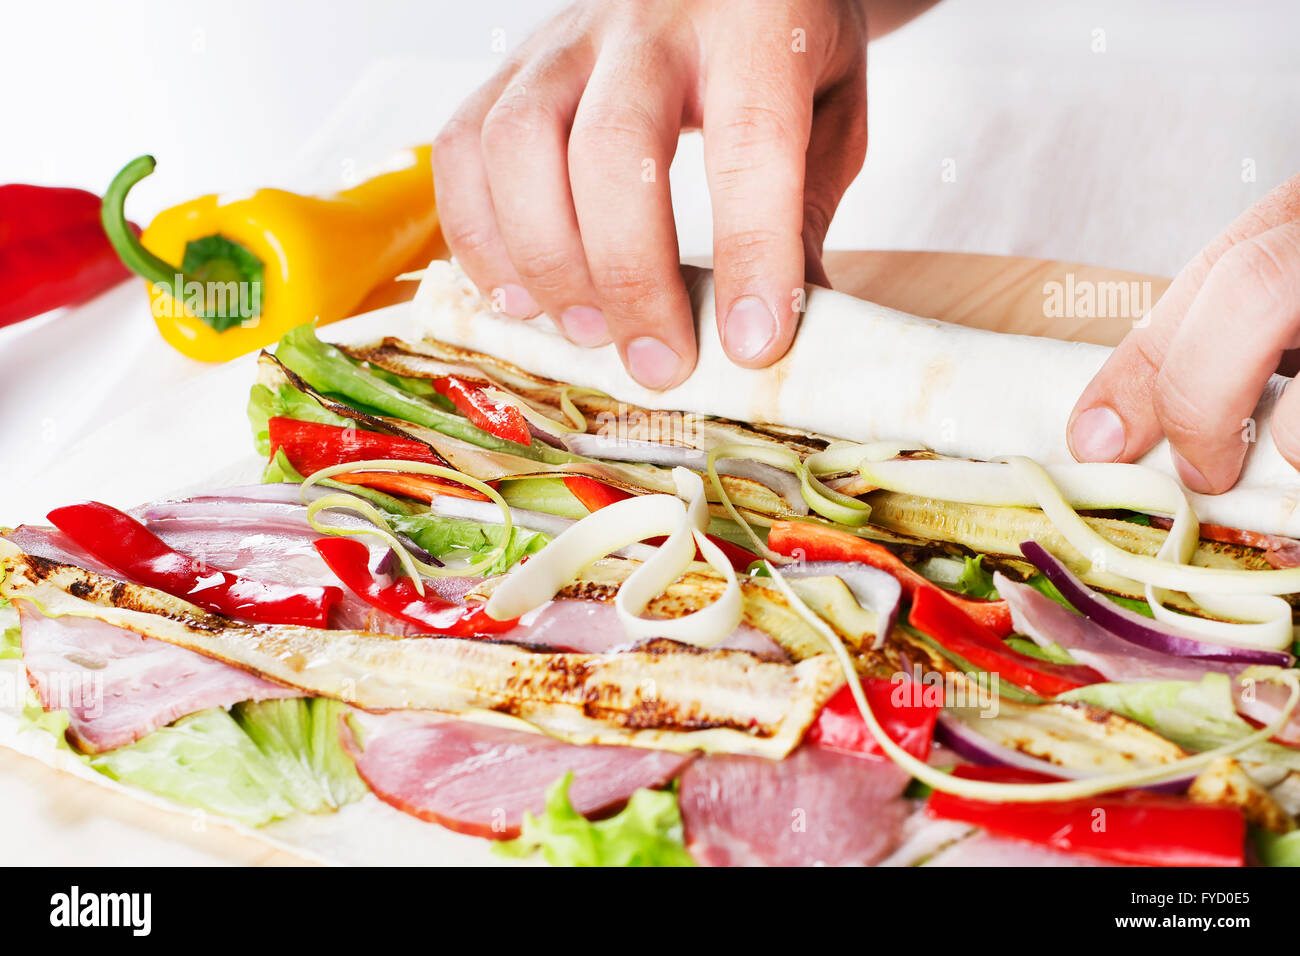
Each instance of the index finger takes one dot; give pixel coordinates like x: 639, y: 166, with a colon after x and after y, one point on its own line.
x: 758, y: 109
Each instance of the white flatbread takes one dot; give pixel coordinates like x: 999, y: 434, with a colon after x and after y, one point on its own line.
x: 863, y: 372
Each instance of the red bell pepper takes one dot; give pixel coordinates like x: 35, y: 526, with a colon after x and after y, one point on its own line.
x: 495, y: 418
x: 815, y: 542
x: 1133, y: 826
x: 932, y: 614
x: 53, y: 250
x: 349, y: 560
x: 130, y: 548
x: 901, y: 710
x: 311, y: 446
x: 595, y: 495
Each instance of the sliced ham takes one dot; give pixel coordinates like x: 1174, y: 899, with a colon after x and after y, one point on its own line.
x: 479, y: 779
x: 816, y: 807
x: 118, y: 686
x: 593, y: 627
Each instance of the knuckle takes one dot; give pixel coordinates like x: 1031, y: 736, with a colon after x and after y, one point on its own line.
x: 754, y: 125
x: 452, y: 140
x: 513, y: 120
x: 547, y: 266
x: 611, y: 127
x: 469, y: 239
x: 748, y: 246
x: 633, y: 288
x: 1267, y: 264
x: 1182, y: 416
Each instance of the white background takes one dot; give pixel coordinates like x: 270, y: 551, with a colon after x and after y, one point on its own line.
x: 1131, y: 157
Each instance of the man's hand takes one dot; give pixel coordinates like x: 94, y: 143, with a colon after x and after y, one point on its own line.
x: 553, y: 186
x: 1195, y: 372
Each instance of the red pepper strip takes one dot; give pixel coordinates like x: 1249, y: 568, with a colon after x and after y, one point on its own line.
x: 421, y: 487
x: 1133, y: 826
x: 595, y: 495
x: 815, y: 542
x: 130, y: 548
x: 939, y: 618
x: 495, y: 418
x: 904, y: 711
x: 53, y: 251
x: 350, y: 562
x: 311, y: 446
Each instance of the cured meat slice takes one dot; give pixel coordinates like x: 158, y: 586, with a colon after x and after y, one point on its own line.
x: 816, y: 807
x: 593, y: 627
x: 479, y: 779
x: 118, y: 686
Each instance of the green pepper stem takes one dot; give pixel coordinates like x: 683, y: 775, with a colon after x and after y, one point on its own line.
x: 112, y: 213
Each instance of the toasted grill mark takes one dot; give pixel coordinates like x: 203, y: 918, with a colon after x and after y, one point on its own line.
x: 590, y: 591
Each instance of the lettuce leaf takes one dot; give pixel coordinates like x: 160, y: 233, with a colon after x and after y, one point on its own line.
x: 1196, y: 715
x: 11, y: 635
x: 976, y: 581
x: 285, y: 401
x: 259, y: 762
x: 646, y: 832
x: 1053, y: 652
x: 454, y: 538
x: 1278, y: 849
x: 542, y: 494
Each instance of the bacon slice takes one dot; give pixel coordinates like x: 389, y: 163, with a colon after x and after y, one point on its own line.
x: 118, y: 686
x: 479, y: 779
x: 816, y: 807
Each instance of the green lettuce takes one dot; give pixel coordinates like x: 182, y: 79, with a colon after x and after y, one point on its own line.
x: 1278, y: 849
x: 259, y: 762
x: 285, y: 401
x: 454, y: 538
x: 1196, y: 715
x: 976, y: 581
x: 550, y: 495
x: 1040, y: 584
x: 646, y: 832
x: 1053, y: 652
x: 11, y: 635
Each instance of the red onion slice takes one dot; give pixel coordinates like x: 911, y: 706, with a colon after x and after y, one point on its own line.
x: 1133, y: 627
x: 971, y: 745
x: 875, y: 590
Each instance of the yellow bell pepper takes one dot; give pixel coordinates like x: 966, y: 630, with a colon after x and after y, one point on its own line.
x: 227, y: 277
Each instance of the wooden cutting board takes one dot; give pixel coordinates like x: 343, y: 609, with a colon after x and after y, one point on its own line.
x: 58, y: 819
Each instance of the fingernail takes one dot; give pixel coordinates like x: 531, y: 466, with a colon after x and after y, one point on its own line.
x: 749, y: 328
x: 1188, y: 474
x: 517, y: 303
x: 651, y: 363
x: 1098, y: 435
x: 585, y: 325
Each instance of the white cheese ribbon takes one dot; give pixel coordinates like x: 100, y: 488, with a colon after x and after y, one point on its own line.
x: 683, y: 519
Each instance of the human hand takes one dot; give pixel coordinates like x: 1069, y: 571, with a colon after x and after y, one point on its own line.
x: 1196, y: 370
x: 552, y: 179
